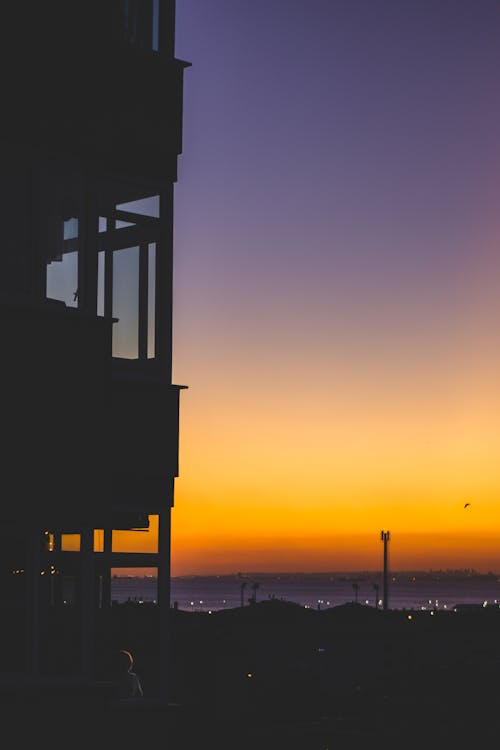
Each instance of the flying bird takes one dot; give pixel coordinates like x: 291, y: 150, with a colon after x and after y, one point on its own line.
x: 466, y: 504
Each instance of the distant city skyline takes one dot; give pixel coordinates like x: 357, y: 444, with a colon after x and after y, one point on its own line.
x: 376, y: 572
x: 336, y: 285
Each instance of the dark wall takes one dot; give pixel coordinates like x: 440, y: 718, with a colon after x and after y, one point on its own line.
x: 69, y: 81
x: 55, y: 380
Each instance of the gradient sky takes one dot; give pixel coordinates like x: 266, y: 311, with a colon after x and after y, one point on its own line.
x: 337, y: 279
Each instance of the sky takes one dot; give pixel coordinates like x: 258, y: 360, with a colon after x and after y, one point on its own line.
x: 336, y: 285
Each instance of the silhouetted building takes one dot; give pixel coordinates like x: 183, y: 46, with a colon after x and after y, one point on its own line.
x: 90, y: 133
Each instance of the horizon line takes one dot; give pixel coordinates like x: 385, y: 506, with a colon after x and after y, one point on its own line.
x: 255, y: 574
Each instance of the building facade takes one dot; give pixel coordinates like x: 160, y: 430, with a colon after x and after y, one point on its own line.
x: 90, y: 136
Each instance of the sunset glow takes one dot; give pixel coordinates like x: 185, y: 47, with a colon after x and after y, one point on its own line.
x: 337, y: 279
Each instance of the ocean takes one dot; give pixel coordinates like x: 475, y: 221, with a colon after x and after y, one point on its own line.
x: 422, y: 591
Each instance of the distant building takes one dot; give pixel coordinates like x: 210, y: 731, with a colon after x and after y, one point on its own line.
x: 90, y: 133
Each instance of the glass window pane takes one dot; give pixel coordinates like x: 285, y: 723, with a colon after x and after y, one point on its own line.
x: 70, y: 228
x: 98, y: 540
x: 151, y: 299
x: 70, y: 542
x: 126, y: 303
x: 62, y: 205
x: 62, y: 278
x: 134, y: 585
x: 156, y: 28
x: 137, y: 541
x: 144, y: 206
x: 100, y: 283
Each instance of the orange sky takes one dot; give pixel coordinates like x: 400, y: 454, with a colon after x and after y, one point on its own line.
x: 299, y: 444
x: 337, y: 287
x: 264, y: 486
x: 301, y: 468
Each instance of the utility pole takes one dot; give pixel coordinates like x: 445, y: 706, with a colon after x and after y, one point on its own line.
x: 385, y: 537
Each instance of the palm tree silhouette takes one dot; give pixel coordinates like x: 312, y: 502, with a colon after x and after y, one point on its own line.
x: 255, y: 586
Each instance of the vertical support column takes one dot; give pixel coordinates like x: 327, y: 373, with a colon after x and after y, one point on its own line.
x: 87, y: 602
x: 164, y: 601
x: 106, y: 575
x: 166, y: 27
x: 385, y: 537
x: 33, y: 620
x: 164, y: 284
x: 87, y: 256
x: 39, y: 210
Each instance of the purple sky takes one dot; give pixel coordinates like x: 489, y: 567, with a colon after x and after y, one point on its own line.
x: 330, y: 146
x: 337, y: 221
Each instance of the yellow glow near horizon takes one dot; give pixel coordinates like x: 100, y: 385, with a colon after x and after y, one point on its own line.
x: 337, y: 305
x: 300, y: 478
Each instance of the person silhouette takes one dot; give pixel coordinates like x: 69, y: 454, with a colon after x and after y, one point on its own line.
x: 127, y: 681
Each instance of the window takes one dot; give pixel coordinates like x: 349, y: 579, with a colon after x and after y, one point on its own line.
x: 141, y: 24
x: 70, y: 542
x: 128, y: 231
x: 63, y: 208
x: 144, y: 540
x: 126, y: 302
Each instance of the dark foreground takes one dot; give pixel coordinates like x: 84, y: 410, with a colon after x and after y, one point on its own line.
x: 275, y: 675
